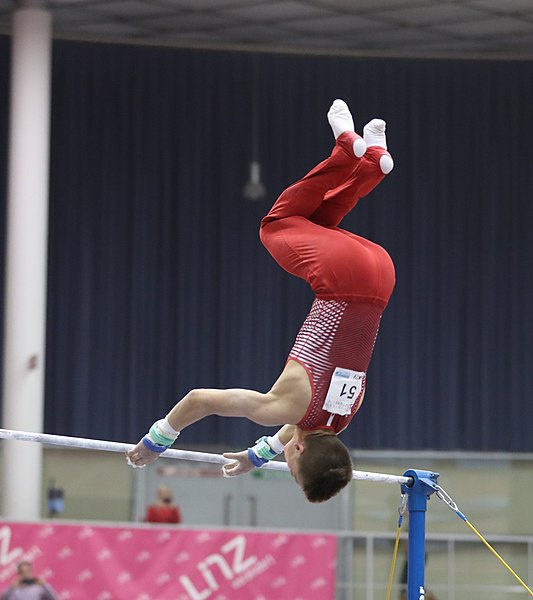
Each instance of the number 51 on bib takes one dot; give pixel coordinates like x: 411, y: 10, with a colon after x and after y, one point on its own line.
x: 343, y: 391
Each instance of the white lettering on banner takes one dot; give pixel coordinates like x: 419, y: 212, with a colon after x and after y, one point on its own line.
x: 343, y: 391
x: 260, y: 567
x: 6, y: 555
x: 215, y: 559
x: 422, y: 593
x: 239, y: 564
x: 239, y: 544
x: 194, y: 594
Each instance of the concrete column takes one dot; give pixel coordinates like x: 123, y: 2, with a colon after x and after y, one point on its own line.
x: 26, y: 258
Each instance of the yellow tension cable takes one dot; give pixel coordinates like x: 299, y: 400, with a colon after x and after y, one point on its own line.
x: 394, y: 555
x: 401, y: 511
x: 447, y: 500
x: 496, y: 554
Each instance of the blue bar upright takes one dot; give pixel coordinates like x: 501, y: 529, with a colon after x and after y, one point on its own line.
x: 424, y: 484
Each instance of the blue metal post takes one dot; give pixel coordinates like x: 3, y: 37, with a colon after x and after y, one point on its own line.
x: 424, y: 484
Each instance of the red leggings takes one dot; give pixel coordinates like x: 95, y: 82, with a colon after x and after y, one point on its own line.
x: 301, y: 230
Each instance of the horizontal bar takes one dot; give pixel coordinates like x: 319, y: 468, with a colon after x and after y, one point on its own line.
x: 88, y: 444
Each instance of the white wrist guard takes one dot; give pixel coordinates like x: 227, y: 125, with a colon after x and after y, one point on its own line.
x: 275, y: 444
x: 265, y: 449
x: 162, y: 434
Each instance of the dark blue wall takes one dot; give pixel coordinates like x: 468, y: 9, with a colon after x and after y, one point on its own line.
x: 158, y: 282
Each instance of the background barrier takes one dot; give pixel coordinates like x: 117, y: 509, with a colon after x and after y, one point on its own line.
x: 163, y: 563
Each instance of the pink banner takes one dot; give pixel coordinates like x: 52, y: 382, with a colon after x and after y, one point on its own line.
x: 85, y: 562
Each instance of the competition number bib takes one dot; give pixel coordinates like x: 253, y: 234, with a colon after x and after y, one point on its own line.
x: 344, y: 389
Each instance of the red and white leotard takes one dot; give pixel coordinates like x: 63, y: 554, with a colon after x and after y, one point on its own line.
x: 352, y: 277
x: 336, y: 333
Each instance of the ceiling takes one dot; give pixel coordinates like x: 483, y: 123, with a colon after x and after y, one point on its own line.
x: 409, y: 28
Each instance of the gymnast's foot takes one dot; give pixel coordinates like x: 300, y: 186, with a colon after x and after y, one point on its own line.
x: 341, y: 120
x: 374, y: 135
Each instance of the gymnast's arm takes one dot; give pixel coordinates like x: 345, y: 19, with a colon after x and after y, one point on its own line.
x: 265, y: 409
x: 241, y: 462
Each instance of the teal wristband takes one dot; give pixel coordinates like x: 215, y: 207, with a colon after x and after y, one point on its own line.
x: 263, y: 450
x: 158, y: 438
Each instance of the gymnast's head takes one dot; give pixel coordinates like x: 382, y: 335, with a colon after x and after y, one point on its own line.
x: 319, y: 462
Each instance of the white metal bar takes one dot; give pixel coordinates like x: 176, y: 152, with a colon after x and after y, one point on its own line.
x: 89, y: 444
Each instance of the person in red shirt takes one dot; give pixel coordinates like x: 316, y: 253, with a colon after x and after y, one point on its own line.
x: 323, y: 383
x: 164, y: 510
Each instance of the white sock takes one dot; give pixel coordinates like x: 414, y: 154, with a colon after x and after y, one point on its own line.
x: 340, y: 118
x: 374, y: 133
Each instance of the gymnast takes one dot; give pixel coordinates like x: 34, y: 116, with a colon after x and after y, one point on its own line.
x: 323, y: 383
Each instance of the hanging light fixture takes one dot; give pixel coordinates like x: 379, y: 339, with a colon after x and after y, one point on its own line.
x: 254, y: 188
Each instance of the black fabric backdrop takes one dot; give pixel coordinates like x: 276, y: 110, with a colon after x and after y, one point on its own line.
x: 158, y: 282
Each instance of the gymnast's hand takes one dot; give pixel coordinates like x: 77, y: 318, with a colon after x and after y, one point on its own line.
x: 140, y: 456
x: 240, y: 464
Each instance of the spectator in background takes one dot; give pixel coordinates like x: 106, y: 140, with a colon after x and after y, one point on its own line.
x: 164, y: 510
x: 27, y: 586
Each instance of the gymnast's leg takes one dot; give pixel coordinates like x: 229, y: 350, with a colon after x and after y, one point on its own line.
x: 294, y: 241
x: 369, y: 172
x: 298, y: 230
x: 305, y: 196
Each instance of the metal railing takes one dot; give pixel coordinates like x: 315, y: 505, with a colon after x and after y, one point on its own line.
x: 364, y: 561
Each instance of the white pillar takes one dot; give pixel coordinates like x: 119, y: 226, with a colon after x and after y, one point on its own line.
x: 26, y: 258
